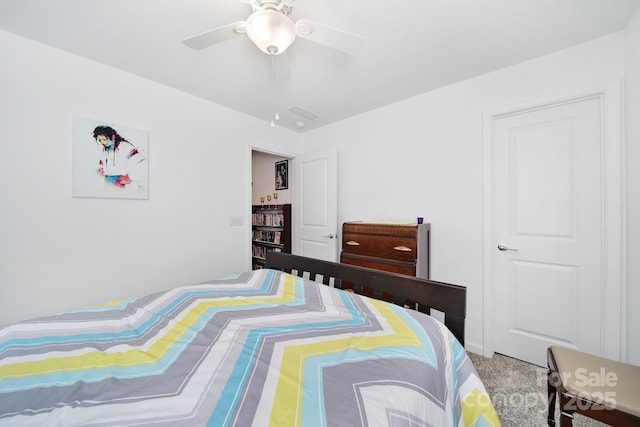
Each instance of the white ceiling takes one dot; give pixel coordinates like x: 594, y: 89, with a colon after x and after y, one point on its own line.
x: 412, y: 46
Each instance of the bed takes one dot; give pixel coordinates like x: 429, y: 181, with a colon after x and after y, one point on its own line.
x: 270, y: 347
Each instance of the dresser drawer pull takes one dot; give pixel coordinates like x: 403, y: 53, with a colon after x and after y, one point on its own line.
x: 402, y: 249
x: 352, y: 243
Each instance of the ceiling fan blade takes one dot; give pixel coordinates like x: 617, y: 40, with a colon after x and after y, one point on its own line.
x: 329, y: 36
x: 216, y: 35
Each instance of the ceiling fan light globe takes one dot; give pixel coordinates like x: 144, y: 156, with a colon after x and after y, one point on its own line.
x: 271, y: 31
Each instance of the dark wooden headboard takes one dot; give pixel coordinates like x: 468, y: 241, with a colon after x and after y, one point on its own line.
x: 421, y: 294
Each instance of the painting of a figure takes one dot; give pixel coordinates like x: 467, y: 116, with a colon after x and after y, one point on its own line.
x: 109, y: 160
x: 282, y: 182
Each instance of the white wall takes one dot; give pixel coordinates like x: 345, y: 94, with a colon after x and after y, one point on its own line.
x: 263, y: 179
x: 434, y: 166
x: 58, y: 252
x: 632, y: 93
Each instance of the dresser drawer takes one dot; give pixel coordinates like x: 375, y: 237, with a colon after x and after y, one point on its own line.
x: 381, y: 229
x: 391, y: 247
x: 379, y: 264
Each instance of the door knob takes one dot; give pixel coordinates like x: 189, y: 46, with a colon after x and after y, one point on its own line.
x: 331, y: 236
x: 504, y: 247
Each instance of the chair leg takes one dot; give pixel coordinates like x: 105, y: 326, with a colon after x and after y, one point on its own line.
x: 566, y: 414
x: 551, y: 399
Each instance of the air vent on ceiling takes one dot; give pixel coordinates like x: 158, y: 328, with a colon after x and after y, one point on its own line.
x: 302, y: 112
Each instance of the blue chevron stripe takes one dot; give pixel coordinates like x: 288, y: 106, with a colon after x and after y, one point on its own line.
x: 459, y: 355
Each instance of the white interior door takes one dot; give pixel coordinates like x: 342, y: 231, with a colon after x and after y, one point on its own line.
x: 315, y: 210
x: 547, y: 209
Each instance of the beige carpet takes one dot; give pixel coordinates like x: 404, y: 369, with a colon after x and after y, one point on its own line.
x: 519, y: 391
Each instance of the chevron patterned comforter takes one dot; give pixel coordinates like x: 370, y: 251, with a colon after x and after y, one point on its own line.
x: 263, y: 348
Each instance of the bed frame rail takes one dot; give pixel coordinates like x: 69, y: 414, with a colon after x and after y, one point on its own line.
x: 408, y: 291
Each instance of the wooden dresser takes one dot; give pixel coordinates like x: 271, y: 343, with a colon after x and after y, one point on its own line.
x: 399, y: 248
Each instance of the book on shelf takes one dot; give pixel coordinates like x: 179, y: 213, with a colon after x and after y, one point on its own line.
x: 268, y: 236
x: 261, y: 251
x: 268, y: 219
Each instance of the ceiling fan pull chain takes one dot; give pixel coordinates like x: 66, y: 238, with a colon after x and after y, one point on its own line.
x: 276, y: 117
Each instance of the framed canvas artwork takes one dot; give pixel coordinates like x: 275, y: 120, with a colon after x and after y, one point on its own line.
x: 109, y: 160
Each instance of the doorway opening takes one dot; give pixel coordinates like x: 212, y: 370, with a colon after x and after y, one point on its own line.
x: 271, y: 199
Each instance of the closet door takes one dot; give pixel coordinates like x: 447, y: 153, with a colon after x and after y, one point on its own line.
x: 548, y: 227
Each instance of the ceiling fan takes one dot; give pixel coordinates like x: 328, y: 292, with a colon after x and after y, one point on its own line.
x: 272, y: 31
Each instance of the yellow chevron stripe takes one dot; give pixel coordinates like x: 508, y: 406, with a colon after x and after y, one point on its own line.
x: 289, y: 393
x: 478, y: 405
x: 98, y: 360
x: 113, y: 303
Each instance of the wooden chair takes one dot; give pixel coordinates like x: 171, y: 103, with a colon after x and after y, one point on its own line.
x: 598, y: 388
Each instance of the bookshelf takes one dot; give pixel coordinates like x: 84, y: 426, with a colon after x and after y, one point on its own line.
x: 271, y: 231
